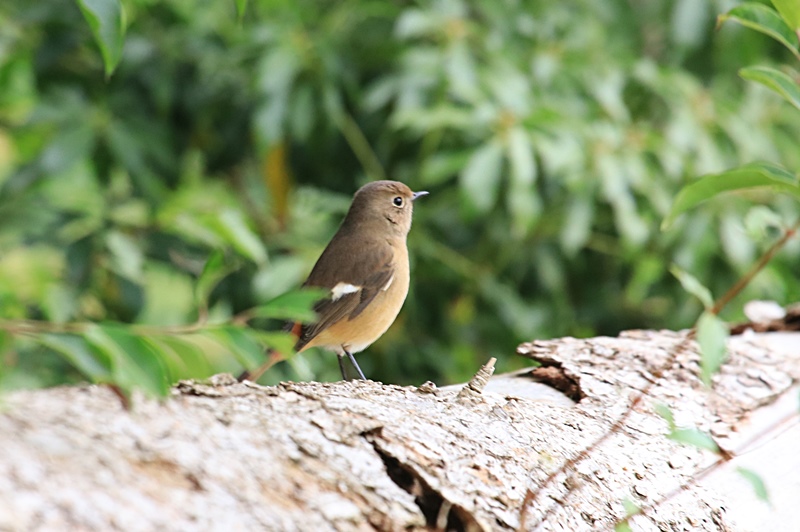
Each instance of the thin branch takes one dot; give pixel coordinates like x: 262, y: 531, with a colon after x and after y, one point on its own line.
x: 32, y: 327
x: 360, y: 146
x: 531, y: 496
x: 757, y: 267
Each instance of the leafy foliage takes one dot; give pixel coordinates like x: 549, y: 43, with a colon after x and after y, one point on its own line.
x: 756, y: 482
x: 688, y: 436
x: 553, y: 137
x: 107, y: 21
x: 781, y: 25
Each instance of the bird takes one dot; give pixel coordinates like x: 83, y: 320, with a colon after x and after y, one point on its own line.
x: 364, y: 270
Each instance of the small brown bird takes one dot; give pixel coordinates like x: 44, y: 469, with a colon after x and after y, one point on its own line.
x: 365, y: 267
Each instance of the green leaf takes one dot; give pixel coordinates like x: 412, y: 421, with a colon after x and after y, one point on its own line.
x: 127, y: 258
x: 480, y: 179
x: 760, y: 219
x: 765, y: 20
x: 440, y: 167
x: 214, y: 270
x: 248, y: 352
x: 414, y: 23
x: 664, y: 411
x: 282, y: 342
x: 95, y: 366
x: 189, y: 361
x: 106, y: 19
x: 695, y: 438
x: 292, y: 306
x: 241, y: 7
x: 135, y: 365
x: 693, y: 286
x: 790, y: 11
x: 752, y: 175
x: 756, y: 482
x: 774, y: 80
x: 523, y: 202
x: 712, y: 335
x: 232, y: 226
x: 577, y: 225
x: 631, y: 508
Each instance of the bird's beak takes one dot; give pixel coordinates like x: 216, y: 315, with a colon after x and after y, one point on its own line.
x: 416, y: 195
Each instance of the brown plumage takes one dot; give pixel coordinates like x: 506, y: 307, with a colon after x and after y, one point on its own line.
x: 365, y: 267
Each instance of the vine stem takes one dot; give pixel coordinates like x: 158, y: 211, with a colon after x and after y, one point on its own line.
x: 360, y: 146
x: 531, y: 495
x: 757, y: 267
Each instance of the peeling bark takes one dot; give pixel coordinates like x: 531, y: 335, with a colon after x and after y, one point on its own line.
x: 367, y: 456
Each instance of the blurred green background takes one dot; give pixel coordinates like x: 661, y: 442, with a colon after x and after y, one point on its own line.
x: 552, y: 135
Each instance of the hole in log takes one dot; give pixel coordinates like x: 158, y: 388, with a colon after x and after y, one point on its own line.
x: 430, y: 502
x: 552, y: 374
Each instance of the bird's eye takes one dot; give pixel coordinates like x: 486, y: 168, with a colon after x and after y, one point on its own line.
x: 398, y: 201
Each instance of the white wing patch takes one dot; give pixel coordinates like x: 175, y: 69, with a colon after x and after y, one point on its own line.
x: 388, y: 284
x: 342, y: 289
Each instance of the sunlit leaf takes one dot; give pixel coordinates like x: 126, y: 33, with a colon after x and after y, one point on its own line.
x: 760, y: 219
x: 693, y: 286
x: 132, y: 213
x: 106, y: 19
x: 127, y: 256
x: 577, y: 224
x: 712, y: 335
x: 756, y: 482
x: 135, y: 365
x: 95, y: 366
x: 689, y: 22
x: 241, y: 7
x: 523, y: 201
x: 242, y: 344
x: 480, y: 179
x: 441, y: 166
x: 232, y: 225
x: 765, y: 20
x: 776, y: 81
x: 281, y: 342
x: 665, y: 412
x: 695, y: 438
x: 189, y: 361
x: 413, y: 23
x: 520, y: 154
x: 754, y: 175
x: 214, y: 270
x: 790, y: 11
x: 460, y: 67
x: 631, y: 508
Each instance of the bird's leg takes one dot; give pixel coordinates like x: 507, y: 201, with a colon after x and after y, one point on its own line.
x: 340, y: 358
x: 355, y: 364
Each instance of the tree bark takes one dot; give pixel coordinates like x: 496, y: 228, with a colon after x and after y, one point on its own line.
x: 362, y: 455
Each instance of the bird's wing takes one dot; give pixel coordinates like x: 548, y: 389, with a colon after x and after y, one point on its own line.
x: 354, y: 277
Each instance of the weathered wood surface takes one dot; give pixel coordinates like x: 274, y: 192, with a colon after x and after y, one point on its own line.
x: 367, y: 456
